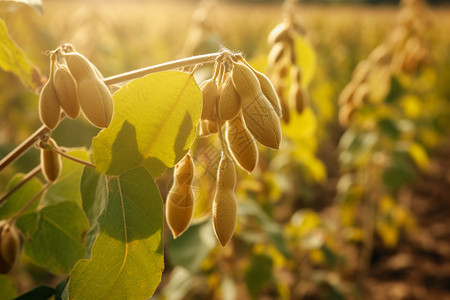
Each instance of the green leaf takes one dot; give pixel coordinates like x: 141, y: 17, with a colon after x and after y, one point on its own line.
x: 127, y: 257
x: 20, y: 197
x: 153, y: 124
x: 35, y: 4
x: 306, y: 59
x: 67, y: 187
x: 40, y: 293
x: 54, y: 236
x: 12, y: 59
x: 94, y: 196
x: 258, y: 274
x: 6, y: 287
x: 192, y: 247
x: 93, y: 193
x: 272, y: 229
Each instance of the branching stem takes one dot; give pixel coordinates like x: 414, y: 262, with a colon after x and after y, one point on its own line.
x: 195, y: 60
x: 75, y: 159
x: 28, y: 204
x: 190, y: 61
x: 25, y: 179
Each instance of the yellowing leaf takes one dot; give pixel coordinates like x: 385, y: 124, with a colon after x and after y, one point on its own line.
x: 306, y: 58
x: 12, y: 59
x: 419, y: 155
x: 412, y: 106
x: 153, y: 124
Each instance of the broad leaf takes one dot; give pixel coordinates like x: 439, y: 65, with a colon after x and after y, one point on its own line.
x: 54, y: 236
x: 67, y: 187
x: 153, y: 124
x: 12, y: 59
x: 306, y: 58
x: 127, y: 257
x: 20, y: 197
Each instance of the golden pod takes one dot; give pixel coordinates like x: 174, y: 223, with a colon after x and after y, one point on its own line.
x: 380, y: 55
x: 361, y: 95
x: 297, y: 97
x: 66, y: 90
x: 95, y: 99
x: 361, y: 72
x: 9, y: 246
x: 242, y: 145
x: 179, y: 208
x: 285, y: 110
x: 210, y: 94
x: 229, y: 102
x: 259, y: 115
x: 50, y: 162
x: 202, y: 128
x: 184, y: 171
x: 275, y: 54
x: 49, y: 108
x: 269, y: 91
x: 345, y: 113
x: 224, y: 207
x: 347, y: 93
x: 279, y: 33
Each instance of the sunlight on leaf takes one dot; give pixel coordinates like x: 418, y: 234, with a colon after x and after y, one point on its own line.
x: 154, y: 124
x: 12, y: 59
x: 127, y: 256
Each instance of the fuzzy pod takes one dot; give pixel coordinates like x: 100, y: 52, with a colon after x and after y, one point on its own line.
x: 51, y: 163
x: 224, y: 207
x: 259, y: 115
x: 229, y: 101
x: 49, y: 108
x: 66, y: 90
x: 184, y: 171
x: 279, y: 33
x: 361, y: 95
x: 95, y: 98
x: 179, y: 208
x: 9, y: 247
x: 242, y: 144
x: 297, y: 98
x: 345, y: 113
x: 275, y: 54
x: 269, y: 91
x: 210, y: 94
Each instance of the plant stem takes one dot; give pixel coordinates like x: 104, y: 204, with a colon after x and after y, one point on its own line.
x: 200, y: 59
x: 80, y: 161
x: 28, y: 204
x: 19, y: 150
x: 195, y: 60
x: 25, y: 179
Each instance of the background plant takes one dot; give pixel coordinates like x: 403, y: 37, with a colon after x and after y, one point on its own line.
x: 341, y: 39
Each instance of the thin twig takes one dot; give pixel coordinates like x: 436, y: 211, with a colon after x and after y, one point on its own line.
x: 80, y: 161
x: 200, y: 59
x: 195, y: 60
x: 19, y: 150
x: 28, y: 204
x: 24, y: 180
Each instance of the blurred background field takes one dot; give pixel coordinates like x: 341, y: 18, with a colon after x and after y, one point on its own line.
x: 119, y: 36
